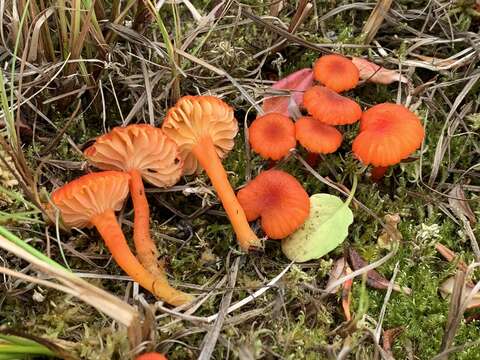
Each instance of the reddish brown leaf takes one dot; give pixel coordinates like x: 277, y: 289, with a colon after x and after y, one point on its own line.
x: 296, y: 83
x: 389, y: 337
x: 347, y: 294
x: 449, y: 255
x: 375, y: 73
x: 374, y: 279
x: 336, y: 273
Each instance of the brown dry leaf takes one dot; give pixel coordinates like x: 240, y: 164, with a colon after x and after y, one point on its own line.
x: 446, y: 289
x: 372, y: 72
x: 389, y: 337
x: 336, y: 273
x: 459, y: 204
x: 374, y: 279
x: 347, y: 294
x: 449, y: 255
x: 385, y: 240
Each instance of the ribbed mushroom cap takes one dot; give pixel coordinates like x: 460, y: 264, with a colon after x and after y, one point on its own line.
x: 280, y: 201
x: 316, y: 136
x: 329, y: 107
x: 388, y: 134
x: 272, y: 135
x: 90, y: 195
x: 194, y: 117
x: 141, y: 147
x: 336, y: 72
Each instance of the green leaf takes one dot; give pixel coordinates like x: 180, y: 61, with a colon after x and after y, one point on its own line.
x: 325, y: 229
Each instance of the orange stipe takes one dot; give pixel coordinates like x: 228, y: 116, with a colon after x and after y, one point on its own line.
x: 272, y: 136
x: 280, y: 201
x: 331, y: 108
x: 316, y: 136
x: 336, y: 72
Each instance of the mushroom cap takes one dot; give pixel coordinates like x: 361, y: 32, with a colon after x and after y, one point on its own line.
x: 279, y: 199
x: 272, y: 135
x: 90, y: 195
x: 316, y: 136
x: 388, y: 134
x: 141, y: 147
x: 329, y: 107
x: 151, y: 356
x: 195, y: 117
x: 336, y: 72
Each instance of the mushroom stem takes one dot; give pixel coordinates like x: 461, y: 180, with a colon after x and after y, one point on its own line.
x: 108, y: 227
x: 207, y: 156
x: 378, y: 172
x: 145, y: 248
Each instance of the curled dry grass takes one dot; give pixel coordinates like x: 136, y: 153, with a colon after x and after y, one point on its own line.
x: 74, y: 69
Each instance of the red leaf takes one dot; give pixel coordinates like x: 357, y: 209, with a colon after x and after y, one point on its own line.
x: 297, y: 83
x: 375, y: 73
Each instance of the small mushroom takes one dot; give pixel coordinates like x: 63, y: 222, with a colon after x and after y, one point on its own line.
x: 143, y: 151
x: 280, y: 201
x: 388, y: 134
x: 336, y: 72
x: 272, y: 135
x: 91, y: 201
x: 151, y: 356
x: 329, y: 107
x: 204, y: 129
x: 316, y: 136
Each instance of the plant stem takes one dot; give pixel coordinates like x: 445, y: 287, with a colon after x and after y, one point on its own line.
x: 207, y: 156
x: 108, y: 227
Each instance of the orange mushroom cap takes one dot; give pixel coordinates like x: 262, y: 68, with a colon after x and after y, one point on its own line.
x: 316, y: 136
x: 279, y: 199
x: 193, y: 117
x: 388, y: 134
x: 336, y: 72
x: 92, y: 194
x: 141, y: 147
x: 151, y: 356
x: 329, y: 107
x: 272, y: 135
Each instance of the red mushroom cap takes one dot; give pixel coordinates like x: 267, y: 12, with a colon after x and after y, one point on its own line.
x: 388, y: 134
x: 279, y: 199
x: 272, y: 135
x: 336, y: 72
x: 316, y: 136
x: 331, y: 108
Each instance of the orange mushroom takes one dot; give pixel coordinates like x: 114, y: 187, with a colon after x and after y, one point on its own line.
x: 316, y: 136
x: 92, y: 200
x: 204, y: 129
x: 388, y: 134
x: 272, y: 135
x: 329, y: 107
x: 280, y: 201
x: 143, y: 151
x: 336, y: 72
x: 151, y: 356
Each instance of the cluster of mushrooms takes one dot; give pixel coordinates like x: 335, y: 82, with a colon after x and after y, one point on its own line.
x: 196, y: 134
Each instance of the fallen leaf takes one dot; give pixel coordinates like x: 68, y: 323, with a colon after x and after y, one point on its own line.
x: 447, y: 289
x: 389, y: 337
x: 385, y: 240
x: 296, y: 83
x: 449, y: 255
x: 374, y: 279
x: 375, y: 73
x: 335, y: 273
x: 325, y: 228
x: 347, y: 294
x: 459, y: 204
